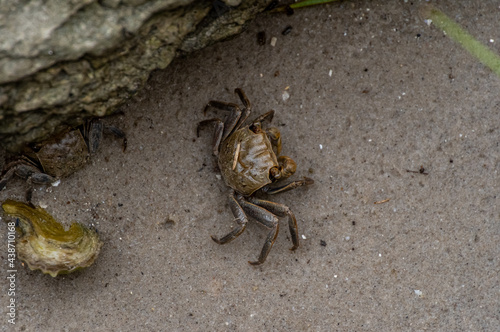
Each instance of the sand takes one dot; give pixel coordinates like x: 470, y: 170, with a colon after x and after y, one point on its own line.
x: 366, y: 94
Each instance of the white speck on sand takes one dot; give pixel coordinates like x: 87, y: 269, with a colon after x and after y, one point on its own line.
x: 285, y: 95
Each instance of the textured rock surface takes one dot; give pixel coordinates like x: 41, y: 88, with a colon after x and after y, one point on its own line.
x: 78, y: 59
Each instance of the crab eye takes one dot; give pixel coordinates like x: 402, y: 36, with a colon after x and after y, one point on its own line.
x: 255, y: 127
x: 35, y: 147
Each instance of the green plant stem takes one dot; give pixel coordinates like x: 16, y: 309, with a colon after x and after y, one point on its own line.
x: 459, y: 35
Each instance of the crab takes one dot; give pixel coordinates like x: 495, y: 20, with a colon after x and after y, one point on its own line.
x: 250, y: 163
x: 46, y: 162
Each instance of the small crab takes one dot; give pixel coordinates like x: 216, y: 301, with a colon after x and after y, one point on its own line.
x: 46, y: 162
x: 249, y: 161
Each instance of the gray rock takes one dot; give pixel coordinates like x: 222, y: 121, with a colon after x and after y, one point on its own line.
x: 64, y: 61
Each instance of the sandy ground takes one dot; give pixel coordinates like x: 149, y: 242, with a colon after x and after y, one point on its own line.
x: 363, y: 92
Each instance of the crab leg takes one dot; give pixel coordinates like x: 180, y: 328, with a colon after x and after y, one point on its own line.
x: 268, y: 115
x: 265, y: 218
x: 93, y: 131
x: 219, y: 128
x: 27, y: 172
x: 243, y: 97
x: 35, y: 178
x: 230, y: 125
x: 241, y: 221
x: 246, y: 111
x: 288, y: 186
x: 282, y: 211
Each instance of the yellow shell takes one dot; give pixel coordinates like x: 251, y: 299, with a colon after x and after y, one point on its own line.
x: 45, y: 245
